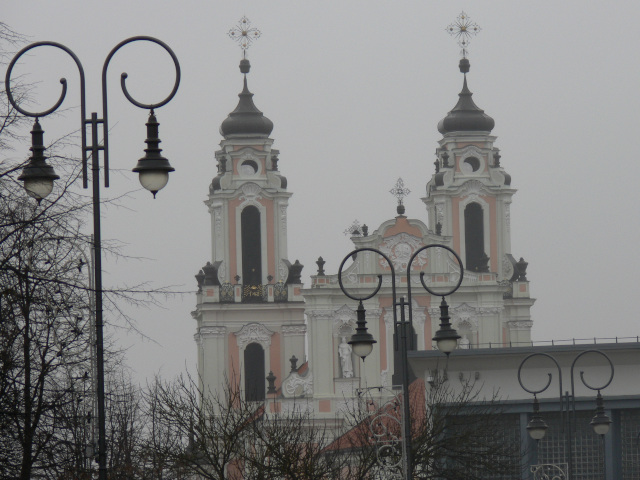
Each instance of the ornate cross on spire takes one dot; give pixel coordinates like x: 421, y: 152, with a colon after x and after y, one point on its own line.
x: 463, y: 29
x: 244, y: 34
x: 354, y: 229
x: 399, y: 191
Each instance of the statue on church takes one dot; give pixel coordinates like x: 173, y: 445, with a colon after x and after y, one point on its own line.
x: 344, y: 351
x: 464, y: 342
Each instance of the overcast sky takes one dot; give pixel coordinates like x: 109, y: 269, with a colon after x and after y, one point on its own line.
x: 355, y: 89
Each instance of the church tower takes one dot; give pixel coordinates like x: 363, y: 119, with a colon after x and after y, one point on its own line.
x: 468, y: 201
x: 250, y: 310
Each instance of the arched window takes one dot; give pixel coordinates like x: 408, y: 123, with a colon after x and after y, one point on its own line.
x: 251, y: 247
x: 254, y: 373
x: 475, y: 260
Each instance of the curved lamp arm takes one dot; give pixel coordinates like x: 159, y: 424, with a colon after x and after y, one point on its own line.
x: 83, y: 117
x: 582, y: 372
x: 377, y: 289
x: 123, y: 78
x: 362, y: 340
x: 535, y: 392
x: 63, y: 81
x: 424, y: 285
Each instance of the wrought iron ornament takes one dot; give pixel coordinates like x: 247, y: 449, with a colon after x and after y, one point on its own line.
x: 549, y: 471
x: 463, y: 29
x: 354, y: 229
x: 399, y: 191
x: 386, y: 425
x: 244, y: 34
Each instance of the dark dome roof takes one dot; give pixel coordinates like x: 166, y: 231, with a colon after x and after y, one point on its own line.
x: 465, y: 116
x: 246, y: 119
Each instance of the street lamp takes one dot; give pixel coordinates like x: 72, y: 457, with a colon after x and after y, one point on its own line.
x: 362, y: 341
x: 38, y: 178
x: 537, y: 426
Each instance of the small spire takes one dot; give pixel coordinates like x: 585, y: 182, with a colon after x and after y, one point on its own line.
x: 246, y: 119
x: 465, y: 116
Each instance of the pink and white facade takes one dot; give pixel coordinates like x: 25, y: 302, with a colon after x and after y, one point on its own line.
x: 253, y: 314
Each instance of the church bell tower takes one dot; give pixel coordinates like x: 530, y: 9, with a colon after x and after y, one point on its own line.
x: 250, y: 311
x: 468, y: 201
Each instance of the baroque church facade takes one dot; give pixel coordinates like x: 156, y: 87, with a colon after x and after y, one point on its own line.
x: 260, y: 329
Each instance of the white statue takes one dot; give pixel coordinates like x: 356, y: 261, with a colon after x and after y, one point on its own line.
x: 464, y: 342
x: 344, y: 351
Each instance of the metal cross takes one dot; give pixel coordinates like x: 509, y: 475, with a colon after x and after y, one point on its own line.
x: 354, y: 229
x: 399, y: 191
x: 463, y: 29
x: 244, y: 34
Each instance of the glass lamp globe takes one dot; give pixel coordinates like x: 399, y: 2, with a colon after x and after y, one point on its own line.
x: 154, y: 180
x: 447, y: 345
x: 362, y: 349
x: 38, y: 188
x: 537, y: 428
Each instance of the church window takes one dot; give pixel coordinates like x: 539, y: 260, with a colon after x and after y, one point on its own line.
x: 249, y: 167
x: 470, y: 165
x: 474, y: 237
x: 251, y: 247
x: 254, y: 373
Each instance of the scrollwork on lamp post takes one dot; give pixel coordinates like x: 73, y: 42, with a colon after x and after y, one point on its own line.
x: 537, y: 427
x: 362, y: 341
x: 38, y: 177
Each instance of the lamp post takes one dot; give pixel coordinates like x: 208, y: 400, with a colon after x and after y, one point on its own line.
x: 362, y: 341
x: 537, y: 427
x: 38, y: 178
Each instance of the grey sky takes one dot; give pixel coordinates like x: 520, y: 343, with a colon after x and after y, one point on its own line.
x: 355, y: 89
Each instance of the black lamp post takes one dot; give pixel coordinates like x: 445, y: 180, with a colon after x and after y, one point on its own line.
x: 38, y: 179
x: 362, y: 341
x: 537, y: 427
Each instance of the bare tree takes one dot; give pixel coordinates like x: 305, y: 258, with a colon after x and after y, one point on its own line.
x: 46, y: 310
x: 294, y: 445
x: 198, y: 434
x: 456, y: 433
x: 465, y: 435
x: 45, y: 332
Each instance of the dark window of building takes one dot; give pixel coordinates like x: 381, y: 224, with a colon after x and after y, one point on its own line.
x: 251, y: 247
x: 474, y: 237
x: 254, y: 373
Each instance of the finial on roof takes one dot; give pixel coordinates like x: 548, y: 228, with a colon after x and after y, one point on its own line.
x: 463, y: 29
x: 246, y: 119
x: 354, y: 230
x: 244, y: 35
x: 465, y: 116
x: 399, y: 191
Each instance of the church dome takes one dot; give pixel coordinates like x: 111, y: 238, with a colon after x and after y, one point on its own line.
x: 246, y: 119
x: 465, y: 116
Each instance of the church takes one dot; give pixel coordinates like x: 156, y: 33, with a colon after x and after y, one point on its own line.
x: 255, y: 316
x: 262, y: 330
